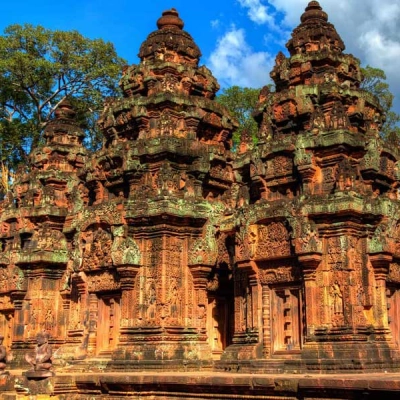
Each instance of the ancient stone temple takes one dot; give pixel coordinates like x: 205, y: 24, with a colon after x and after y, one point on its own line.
x: 35, y: 255
x: 168, y: 251
x: 144, y: 232
x: 316, y: 271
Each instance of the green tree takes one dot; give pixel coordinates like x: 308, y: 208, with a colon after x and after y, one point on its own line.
x: 39, y: 68
x: 241, y: 103
x: 375, y: 82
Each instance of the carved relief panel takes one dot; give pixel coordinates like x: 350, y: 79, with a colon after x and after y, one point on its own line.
x: 280, y: 166
x: 272, y: 241
x: 42, y: 307
x: 345, y: 283
x: 96, y: 245
x: 164, y: 286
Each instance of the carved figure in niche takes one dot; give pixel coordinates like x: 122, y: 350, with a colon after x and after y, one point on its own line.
x: 173, y: 300
x: 213, y: 283
x: 201, y: 311
x: 354, y: 261
x: 167, y: 179
x: 186, y: 184
x: 318, y: 121
x: 245, y: 305
x: 344, y: 176
x: 17, y: 278
x: 360, y: 295
x: 309, y: 239
x: 41, y: 360
x: 252, y: 240
x: 3, y: 356
x: 100, y: 253
x: 338, y: 117
x: 124, y: 249
x: 67, y: 277
x: 337, y: 295
x: 49, y: 319
x: 151, y: 300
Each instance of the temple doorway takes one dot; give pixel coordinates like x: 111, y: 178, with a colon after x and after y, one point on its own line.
x: 217, y: 321
x: 286, y: 319
x: 394, y: 313
x: 109, y: 315
x: 220, y: 311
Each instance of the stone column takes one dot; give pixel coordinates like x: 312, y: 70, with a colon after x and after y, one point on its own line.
x: 309, y: 264
x: 380, y: 262
x: 93, y: 315
x: 127, y: 275
x: 266, y: 320
x: 200, y: 275
x: 252, y: 313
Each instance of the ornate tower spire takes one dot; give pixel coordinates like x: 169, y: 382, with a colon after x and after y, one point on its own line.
x: 170, y: 42
x: 32, y: 224
x: 170, y: 20
x: 314, y: 33
x: 63, y: 149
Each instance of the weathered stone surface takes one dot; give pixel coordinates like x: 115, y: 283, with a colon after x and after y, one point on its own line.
x: 166, y: 251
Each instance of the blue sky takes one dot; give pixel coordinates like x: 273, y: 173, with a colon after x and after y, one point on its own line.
x: 239, y: 39
x: 127, y: 23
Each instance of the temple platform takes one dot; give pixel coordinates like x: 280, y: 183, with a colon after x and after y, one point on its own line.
x: 202, y: 385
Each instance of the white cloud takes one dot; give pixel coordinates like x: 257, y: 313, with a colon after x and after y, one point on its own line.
x: 257, y: 11
x: 215, y: 23
x: 233, y: 61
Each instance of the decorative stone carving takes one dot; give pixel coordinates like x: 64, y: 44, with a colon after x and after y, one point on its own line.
x: 275, y: 273
x: 273, y: 240
x: 124, y: 249
x: 205, y: 250
x: 41, y: 360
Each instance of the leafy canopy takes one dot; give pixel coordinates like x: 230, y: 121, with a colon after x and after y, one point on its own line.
x: 241, y: 101
x: 375, y: 82
x: 39, y: 68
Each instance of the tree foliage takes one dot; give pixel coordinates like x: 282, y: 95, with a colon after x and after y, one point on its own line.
x: 241, y: 103
x: 375, y: 82
x: 38, y: 69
